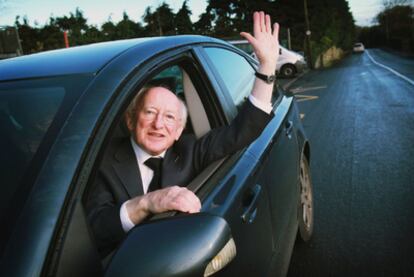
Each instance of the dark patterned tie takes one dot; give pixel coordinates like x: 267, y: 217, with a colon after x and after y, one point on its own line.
x: 155, y: 164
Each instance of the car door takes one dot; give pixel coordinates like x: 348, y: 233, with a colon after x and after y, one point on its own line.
x: 275, y: 152
x: 234, y: 191
x: 279, y: 171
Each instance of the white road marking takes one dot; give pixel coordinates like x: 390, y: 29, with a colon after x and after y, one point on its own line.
x: 300, y: 89
x: 285, y: 87
x: 301, y: 97
x: 390, y: 69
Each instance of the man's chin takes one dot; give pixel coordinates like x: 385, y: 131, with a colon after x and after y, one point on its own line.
x: 155, y: 150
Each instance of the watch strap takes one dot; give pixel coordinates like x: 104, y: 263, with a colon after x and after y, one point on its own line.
x: 267, y: 78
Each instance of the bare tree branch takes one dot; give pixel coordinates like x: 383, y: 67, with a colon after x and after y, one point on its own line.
x: 392, y: 3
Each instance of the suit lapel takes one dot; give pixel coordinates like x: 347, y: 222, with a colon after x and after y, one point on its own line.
x: 127, y: 169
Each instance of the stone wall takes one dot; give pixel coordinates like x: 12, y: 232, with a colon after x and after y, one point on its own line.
x: 329, y: 57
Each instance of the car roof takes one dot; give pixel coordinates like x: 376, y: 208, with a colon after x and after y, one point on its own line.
x: 88, y: 58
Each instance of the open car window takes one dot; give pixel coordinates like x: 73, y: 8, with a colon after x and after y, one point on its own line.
x: 239, y: 83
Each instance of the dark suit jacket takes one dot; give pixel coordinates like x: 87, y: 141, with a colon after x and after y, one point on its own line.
x: 119, y: 179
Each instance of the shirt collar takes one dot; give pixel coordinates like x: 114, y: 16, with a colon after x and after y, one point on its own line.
x: 141, y: 154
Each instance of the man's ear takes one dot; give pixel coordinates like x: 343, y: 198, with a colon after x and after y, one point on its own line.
x: 179, y: 132
x: 129, y: 122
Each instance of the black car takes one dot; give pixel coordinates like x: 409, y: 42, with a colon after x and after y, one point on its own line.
x: 60, y: 109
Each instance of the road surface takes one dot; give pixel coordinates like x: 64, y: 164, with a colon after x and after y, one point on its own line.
x: 359, y: 116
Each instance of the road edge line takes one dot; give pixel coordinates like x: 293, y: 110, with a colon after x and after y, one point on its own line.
x: 390, y: 69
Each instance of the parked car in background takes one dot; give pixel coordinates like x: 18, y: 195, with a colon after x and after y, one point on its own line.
x: 59, y: 110
x: 359, y: 48
x: 289, y: 63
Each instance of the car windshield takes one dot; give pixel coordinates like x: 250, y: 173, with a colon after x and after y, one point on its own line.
x: 31, y: 114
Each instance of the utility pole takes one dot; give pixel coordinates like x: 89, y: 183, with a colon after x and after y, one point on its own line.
x: 159, y: 22
x: 289, y: 43
x: 308, y: 33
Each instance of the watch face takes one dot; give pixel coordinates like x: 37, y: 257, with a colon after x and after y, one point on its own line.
x: 271, y: 79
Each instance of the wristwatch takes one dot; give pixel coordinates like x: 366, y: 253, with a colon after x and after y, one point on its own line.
x: 270, y: 79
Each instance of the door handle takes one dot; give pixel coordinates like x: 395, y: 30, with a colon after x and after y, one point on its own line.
x: 252, y: 199
x: 289, y: 128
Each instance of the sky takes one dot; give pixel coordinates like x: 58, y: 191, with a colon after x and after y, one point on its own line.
x: 99, y: 11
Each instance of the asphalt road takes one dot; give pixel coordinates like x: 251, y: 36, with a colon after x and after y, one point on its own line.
x: 359, y: 116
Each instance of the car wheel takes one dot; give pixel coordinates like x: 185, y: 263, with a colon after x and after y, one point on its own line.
x: 306, y: 201
x: 288, y: 71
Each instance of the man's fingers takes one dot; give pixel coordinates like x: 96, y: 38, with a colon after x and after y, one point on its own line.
x: 173, y: 198
x: 262, y: 22
x: 256, y: 23
x: 187, y: 201
x: 249, y: 37
x: 268, y: 24
x: 276, y: 31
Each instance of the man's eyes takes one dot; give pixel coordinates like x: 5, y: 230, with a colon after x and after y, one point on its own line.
x: 150, y: 112
x: 170, y: 116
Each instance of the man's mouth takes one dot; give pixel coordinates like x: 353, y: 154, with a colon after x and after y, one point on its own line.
x: 156, y: 135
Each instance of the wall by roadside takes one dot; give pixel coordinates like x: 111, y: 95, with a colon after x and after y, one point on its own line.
x: 329, y: 57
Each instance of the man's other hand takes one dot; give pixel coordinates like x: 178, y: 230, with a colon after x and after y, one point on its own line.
x: 168, y: 199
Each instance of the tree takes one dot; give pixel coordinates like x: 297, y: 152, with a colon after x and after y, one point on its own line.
x: 388, y: 4
x: 51, y: 36
x: 127, y: 28
x: 183, y: 21
x: 204, y: 25
x: 161, y: 22
x: 109, y: 31
x: 394, y: 28
x: 76, y: 26
x: 397, y: 21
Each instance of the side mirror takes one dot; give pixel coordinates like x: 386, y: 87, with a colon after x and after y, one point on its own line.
x: 178, y: 246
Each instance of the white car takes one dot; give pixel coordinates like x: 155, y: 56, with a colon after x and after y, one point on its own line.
x: 359, y: 47
x: 289, y: 63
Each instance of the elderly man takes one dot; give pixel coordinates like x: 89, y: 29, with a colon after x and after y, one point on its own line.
x: 124, y: 196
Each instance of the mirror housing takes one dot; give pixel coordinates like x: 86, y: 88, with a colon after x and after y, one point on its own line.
x: 178, y: 246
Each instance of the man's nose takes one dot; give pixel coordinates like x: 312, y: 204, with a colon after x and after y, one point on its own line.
x: 158, y: 121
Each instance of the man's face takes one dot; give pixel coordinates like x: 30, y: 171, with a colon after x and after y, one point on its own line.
x: 158, y: 121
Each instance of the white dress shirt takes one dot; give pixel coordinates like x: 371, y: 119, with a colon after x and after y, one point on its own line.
x: 147, y: 173
x: 146, y: 177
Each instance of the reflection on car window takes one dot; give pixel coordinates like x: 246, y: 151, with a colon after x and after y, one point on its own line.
x: 27, y: 110
x: 25, y: 116
x: 237, y: 74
